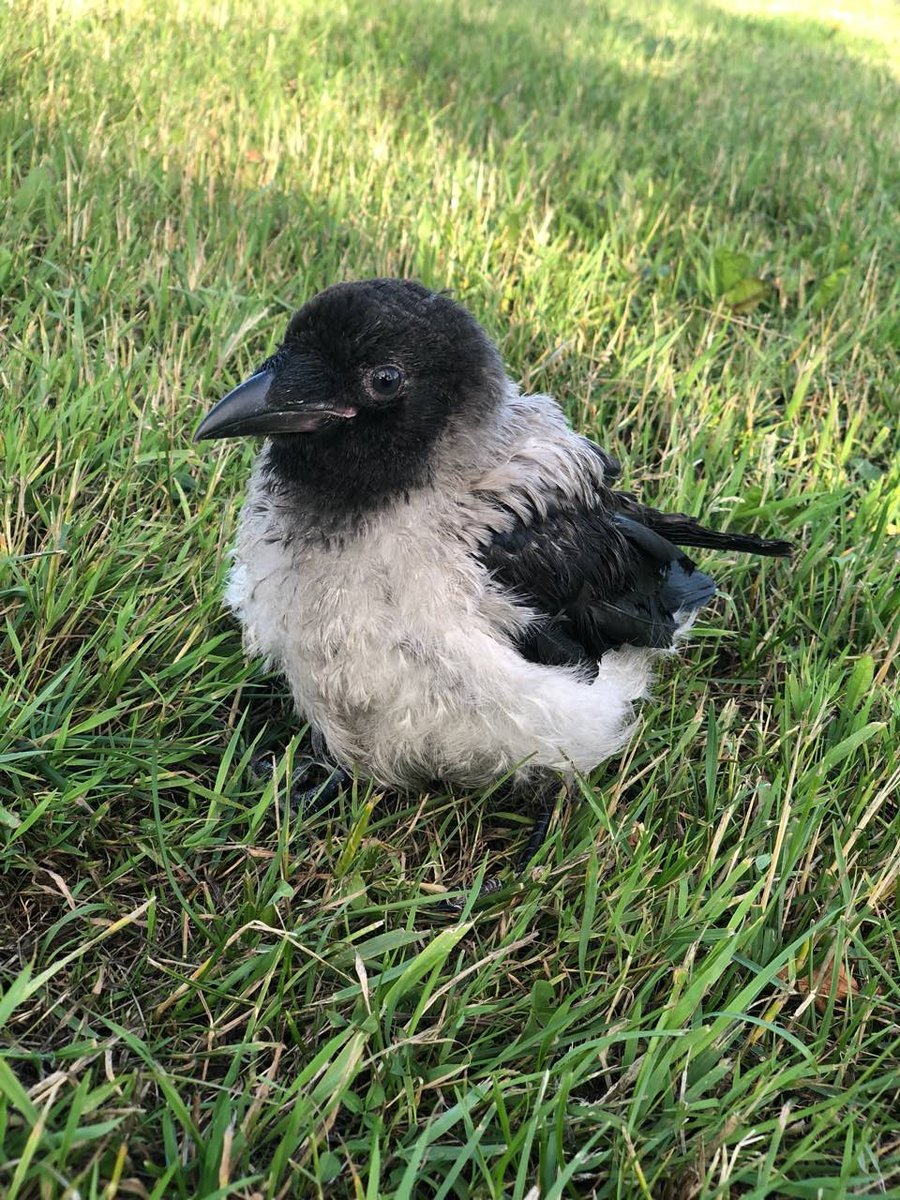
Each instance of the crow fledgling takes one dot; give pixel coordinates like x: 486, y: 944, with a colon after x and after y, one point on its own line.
x: 438, y: 564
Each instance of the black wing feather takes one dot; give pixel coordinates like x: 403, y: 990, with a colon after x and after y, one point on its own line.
x: 601, y: 580
x: 606, y: 576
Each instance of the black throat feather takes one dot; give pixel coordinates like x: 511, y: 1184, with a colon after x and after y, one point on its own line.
x: 339, y: 476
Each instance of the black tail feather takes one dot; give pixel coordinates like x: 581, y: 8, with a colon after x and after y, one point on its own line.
x: 683, y: 530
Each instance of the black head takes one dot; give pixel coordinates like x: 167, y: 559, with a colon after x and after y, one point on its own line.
x: 368, y: 378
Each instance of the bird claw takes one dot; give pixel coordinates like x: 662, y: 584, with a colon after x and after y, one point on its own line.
x: 308, y: 801
x: 455, y: 907
x: 305, y: 801
x: 262, y: 765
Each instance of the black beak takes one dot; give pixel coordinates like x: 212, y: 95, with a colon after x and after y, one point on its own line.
x: 244, y: 412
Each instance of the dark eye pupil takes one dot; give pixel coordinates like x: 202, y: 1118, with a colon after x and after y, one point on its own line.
x: 386, y: 380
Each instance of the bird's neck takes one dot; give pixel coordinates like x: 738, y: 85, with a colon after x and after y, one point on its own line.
x: 338, y: 478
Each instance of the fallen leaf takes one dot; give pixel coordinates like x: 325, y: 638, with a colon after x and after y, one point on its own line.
x: 729, y: 268
x: 829, y: 289
x: 633, y: 837
x: 821, y: 984
x: 744, y: 295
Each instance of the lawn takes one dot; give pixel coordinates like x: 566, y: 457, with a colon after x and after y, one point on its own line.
x: 681, y: 219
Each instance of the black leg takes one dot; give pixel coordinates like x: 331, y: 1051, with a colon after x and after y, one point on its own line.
x: 546, y: 806
x: 538, y: 834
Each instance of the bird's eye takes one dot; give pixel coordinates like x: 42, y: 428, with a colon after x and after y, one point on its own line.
x: 386, y: 381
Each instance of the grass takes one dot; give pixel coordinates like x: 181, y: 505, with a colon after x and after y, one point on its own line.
x: 681, y: 219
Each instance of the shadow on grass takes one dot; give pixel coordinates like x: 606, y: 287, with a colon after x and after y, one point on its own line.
x: 763, y: 116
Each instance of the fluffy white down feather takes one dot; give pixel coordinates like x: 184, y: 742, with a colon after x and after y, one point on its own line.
x: 397, y: 644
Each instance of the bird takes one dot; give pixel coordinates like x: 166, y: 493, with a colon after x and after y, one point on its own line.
x: 441, y: 567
